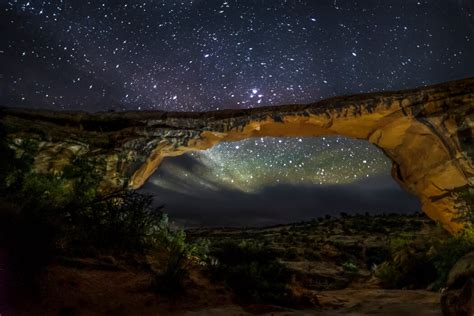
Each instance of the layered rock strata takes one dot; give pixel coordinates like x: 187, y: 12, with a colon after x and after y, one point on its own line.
x: 427, y: 133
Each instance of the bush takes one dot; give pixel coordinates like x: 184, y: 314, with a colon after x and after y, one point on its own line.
x: 70, y: 204
x: 350, y: 267
x: 445, y: 252
x: 176, y: 255
x: 376, y: 255
x: 465, y: 204
x: 42, y: 215
x: 119, y: 222
x: 253, y: 272
x: 424, y: 261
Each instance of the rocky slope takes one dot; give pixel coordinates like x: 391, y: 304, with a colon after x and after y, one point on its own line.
x: 314, y: 252
x: 426, y: 132
x: 327, y: 254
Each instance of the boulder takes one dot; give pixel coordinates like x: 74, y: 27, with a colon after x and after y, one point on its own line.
x: 457, y: 298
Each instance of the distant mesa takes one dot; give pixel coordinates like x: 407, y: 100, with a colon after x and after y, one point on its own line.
x: 427, y: 133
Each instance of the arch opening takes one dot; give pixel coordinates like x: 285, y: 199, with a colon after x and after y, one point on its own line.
x: 426, y: 132
x: 267, y: 181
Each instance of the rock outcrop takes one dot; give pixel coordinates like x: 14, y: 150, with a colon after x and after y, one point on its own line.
x: 457, y: 298
x: 427, y: 133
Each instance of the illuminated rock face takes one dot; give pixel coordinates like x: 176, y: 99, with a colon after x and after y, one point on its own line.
x: 427, y: 133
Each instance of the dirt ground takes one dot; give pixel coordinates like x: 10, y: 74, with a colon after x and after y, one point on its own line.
x: 79, y: 291
x: 351, y: 303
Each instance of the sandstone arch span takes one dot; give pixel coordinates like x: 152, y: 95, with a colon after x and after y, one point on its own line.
x: 427, y: 133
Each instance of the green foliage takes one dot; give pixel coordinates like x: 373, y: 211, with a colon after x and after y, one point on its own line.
x: 28, y: 232
x: 400, y: 242
x: 465, y: 204
x: 389, y: 275
x: 177, y: 254
x: 85, y: 219
x: 350, y: 267
x: 119, y: 222
x: 84, y: 178
x: 408, y: 269
x: 15, y: 164
x: 67, y: 213
x: 253, y: 272
x: 424, y: 260
x: 44, y: 192
x: 445, y: 252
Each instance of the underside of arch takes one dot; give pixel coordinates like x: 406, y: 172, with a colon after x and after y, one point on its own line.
x: 427, y: 133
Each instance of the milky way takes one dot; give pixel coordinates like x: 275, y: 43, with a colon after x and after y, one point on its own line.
x: 250, y: 165
x: 198, y: 55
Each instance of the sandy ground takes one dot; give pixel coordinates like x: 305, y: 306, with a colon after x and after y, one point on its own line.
x: 352, y: 303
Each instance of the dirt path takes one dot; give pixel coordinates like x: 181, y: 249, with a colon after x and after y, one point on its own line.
x: 347, y: 302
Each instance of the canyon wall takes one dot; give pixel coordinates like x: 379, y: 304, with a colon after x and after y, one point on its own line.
x: 427, y: 133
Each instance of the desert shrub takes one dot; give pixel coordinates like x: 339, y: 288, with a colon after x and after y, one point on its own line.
x: 253, y: 272
x: 119, y: 222
x: 445, y: 252
x: 84, y: 179
x: 176, y: 256
x: 43, y: 192
x: 28, y: 221
x: 376, y: 255
x: 425, y: 260
x: 388, y: 274
x: 465, y: 204
x: 69, y: 202
x: 350, y: 267
x: 408, y: 269
x: 409, y: 265
x: 15, y: 165
x: 43, y: 215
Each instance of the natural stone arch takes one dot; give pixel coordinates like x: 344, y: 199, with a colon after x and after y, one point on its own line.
x: 427, y: 133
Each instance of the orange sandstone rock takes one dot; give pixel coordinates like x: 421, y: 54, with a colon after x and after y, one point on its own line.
x: 427, y: 133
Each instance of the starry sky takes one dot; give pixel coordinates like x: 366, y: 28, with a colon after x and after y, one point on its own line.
x: 198, y: 55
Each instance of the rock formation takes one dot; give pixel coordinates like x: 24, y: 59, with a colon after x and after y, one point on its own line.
x: 457, y: 298
x: 427, y: 133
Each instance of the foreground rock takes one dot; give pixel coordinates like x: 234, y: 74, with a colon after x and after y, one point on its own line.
x: 457, y: 299
x: 426, y: 132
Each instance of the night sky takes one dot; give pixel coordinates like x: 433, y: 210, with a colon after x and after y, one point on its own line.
x: 198, y: 55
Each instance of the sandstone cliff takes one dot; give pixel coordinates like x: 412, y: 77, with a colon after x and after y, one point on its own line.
x: 427, y: 133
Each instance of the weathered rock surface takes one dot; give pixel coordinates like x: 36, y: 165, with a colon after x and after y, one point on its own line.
x: 427, y: 133
x: 457, y: 298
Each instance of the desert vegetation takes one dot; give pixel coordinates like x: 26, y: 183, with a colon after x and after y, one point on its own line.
x: 424, y: 260
x: 66, y: 219
x: 47, y: 218
x: 253, y: 272
x: 331, y: 253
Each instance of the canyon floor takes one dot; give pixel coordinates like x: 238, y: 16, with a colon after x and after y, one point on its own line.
x: 331, y: 261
